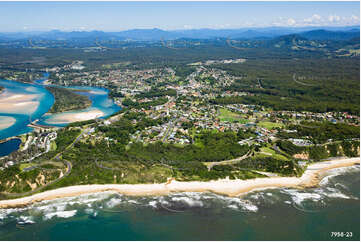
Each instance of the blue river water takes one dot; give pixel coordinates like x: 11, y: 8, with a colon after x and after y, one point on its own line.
x: 100, y: 101
x: 98, y: 96
x: 23, y: 118
x: 9, y: 146
x: 274, y: 214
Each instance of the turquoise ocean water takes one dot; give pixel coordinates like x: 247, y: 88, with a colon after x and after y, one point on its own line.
x: 272, y: 214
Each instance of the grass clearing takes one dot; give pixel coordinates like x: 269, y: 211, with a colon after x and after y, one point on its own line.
x: 52, y: 145
x: 26, y: 165
x: 266, y: 150
x: 270, y: 125
x: 228, y: 116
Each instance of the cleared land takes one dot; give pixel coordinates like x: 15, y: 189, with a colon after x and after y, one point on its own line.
x: 267, y: 151
x: 226, y: 115
x: 270, y: 125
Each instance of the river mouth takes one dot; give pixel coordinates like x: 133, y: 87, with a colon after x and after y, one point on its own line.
x: 102, y: 106
x: 23, y: 103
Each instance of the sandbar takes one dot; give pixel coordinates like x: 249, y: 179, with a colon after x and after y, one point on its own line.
x: 310, y: 178
x: 6, y: 122
x: 69, y: 117
x: 18, y: 103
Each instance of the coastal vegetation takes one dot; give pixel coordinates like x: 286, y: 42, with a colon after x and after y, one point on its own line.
x: 67, y: 100
x: 146, y: 105
x: 198, y: 114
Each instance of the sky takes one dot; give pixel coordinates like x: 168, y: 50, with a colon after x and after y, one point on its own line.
x: 117, y: 16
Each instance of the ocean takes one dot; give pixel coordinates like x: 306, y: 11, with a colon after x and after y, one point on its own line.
x: 271, y: 214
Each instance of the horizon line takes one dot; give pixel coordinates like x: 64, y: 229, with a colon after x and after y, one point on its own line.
x: 181, y: 29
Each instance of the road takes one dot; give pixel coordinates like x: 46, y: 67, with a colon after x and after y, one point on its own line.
x: 57, y: 157
x: 228, y: 162
x: 69, y: 167
x: 104, y: 167
x: 301, y: 83
x: 169, y: 129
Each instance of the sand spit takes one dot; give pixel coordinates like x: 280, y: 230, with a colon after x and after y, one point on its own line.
x: 69, y: 117
x: 310, y: 178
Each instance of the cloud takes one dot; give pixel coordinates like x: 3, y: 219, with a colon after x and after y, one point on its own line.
x: 314, y: 19
x: 334, y: 18
x: 291, y: 21
x: 355, y: 18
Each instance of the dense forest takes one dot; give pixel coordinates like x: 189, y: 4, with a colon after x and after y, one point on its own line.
x: 321, y: 132
x: 316, y: 85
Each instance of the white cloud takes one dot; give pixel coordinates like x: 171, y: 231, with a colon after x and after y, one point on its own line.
x: 314, y: 19
x: 355, y: 18
x: 334, y: 18
x: 291, y: 21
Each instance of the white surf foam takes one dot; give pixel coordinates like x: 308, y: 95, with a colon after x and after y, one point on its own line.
x: 62, y: 214
x: 25, y: 220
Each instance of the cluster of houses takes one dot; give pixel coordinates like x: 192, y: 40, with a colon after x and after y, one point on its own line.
x: 40, y: 140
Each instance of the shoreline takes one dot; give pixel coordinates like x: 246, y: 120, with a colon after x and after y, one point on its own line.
x: 310, y: 178
x: 73, y: 116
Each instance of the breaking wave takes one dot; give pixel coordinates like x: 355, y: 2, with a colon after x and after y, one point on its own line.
x: 92, y: 205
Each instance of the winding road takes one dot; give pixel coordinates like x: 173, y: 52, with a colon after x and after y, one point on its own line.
x: 57, y: 157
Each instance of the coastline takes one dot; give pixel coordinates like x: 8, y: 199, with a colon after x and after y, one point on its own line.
x: 310, y: 178
x: 73, y: 116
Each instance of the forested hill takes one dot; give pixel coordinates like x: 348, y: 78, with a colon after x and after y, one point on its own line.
x: 155, y: 34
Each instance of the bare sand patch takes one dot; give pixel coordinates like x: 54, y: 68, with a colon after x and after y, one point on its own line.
x: 18, y: 103
x: 69, y: 117
x: 6, y: 122
x: 310, y: 178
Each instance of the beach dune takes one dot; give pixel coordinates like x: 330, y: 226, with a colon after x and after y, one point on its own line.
x: 310, y: 178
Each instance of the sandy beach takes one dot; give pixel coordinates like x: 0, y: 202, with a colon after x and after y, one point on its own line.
x: 6, y: 122
x: 69, y: 117
x: 310, y: 178
x: 18, y: 103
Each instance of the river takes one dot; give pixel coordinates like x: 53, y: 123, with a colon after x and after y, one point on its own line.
x: 26, y: 102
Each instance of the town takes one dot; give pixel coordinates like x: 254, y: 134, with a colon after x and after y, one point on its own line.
x: 178, y: 107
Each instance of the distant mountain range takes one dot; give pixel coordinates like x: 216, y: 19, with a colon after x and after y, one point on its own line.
x: 310, y: 33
